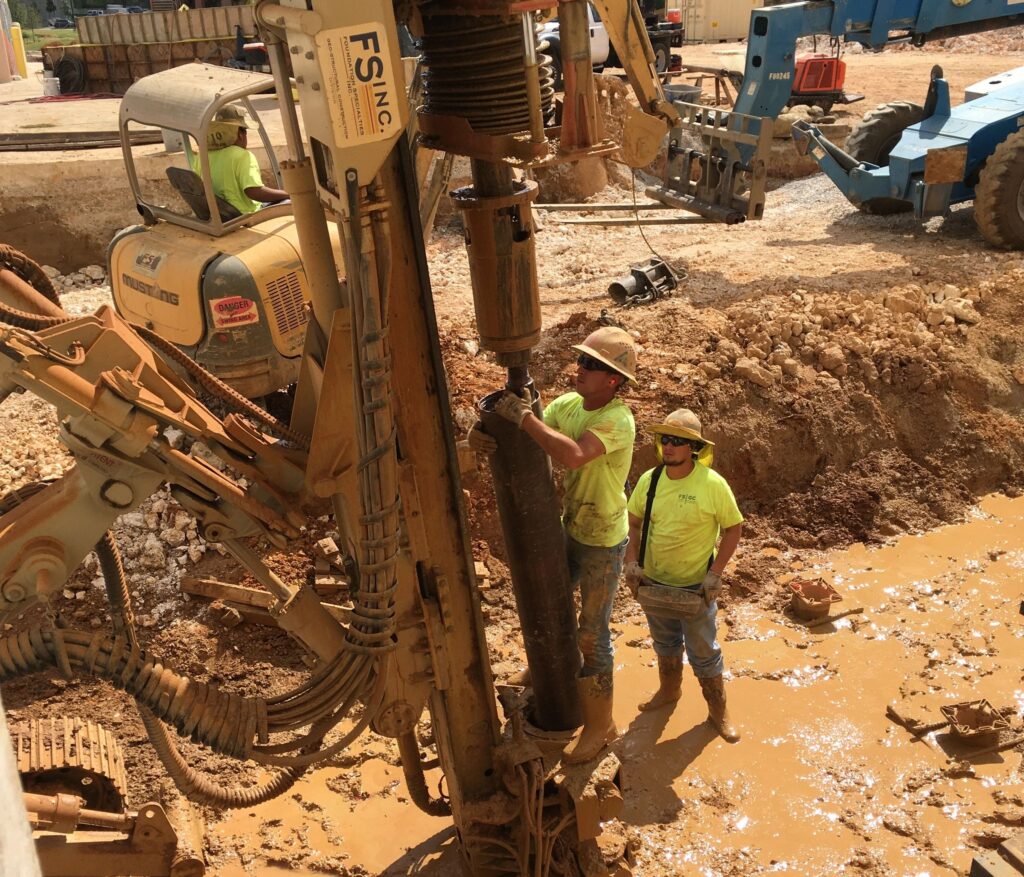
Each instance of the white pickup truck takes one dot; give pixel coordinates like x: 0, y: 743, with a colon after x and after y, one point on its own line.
x: 663, y: 37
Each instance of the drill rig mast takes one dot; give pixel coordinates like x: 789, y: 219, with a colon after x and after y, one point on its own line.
x: 371, y: 434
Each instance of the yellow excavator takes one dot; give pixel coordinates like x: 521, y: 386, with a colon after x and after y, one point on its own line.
x: 227, y: 288
x: 371, y: 435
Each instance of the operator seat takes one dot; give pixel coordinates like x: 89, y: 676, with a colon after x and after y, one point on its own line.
x: 189, y: 185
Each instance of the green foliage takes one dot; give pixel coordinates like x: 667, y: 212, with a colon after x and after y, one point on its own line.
x: 25, y: 14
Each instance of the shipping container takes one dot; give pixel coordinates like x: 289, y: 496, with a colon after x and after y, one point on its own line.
x: 716, y: 21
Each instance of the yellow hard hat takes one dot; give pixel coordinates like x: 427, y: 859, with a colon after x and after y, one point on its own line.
x: 221, y: 134
x: 684, y: 423
x: 614, y: 347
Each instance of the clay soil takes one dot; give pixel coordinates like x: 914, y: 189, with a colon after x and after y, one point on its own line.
x: 863, y: 379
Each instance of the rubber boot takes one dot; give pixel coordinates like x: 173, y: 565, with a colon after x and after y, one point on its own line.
x: 598, y: 725
x: 718, y: 714
x: 670, y: 681
x: 522, y: 678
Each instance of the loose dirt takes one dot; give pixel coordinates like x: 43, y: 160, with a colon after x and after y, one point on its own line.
x: 863, y: 379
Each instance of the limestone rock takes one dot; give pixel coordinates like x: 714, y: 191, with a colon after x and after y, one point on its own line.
x: 94, y: 272
x: 832, y: 357
x: 50, y: 271
x: 961, y: 310
x: 752, y: 371
x: 710, y: 369
x: 153, y: 555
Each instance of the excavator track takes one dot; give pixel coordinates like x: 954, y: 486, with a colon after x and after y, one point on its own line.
x: 73, y: 756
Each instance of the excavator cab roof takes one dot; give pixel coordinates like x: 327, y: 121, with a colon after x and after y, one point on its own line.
x: 186, y: 100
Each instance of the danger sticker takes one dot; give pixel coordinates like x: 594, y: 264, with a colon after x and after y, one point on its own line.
x: 233, y: 311
x: 360, y: 85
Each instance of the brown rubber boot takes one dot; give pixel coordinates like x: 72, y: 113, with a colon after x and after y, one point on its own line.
x: 714, y: 693
x: 598, y: 725
x: 522, y: 678
x: 670, y: 681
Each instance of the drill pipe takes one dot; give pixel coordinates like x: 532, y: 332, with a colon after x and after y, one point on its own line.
x: 530, y: 520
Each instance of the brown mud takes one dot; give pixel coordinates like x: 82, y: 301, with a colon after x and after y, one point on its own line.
x: 863, y: 379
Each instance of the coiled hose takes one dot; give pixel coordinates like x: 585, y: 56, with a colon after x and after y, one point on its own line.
x: 29, y: 271
x: 214, y: 385
x: 190, y: 782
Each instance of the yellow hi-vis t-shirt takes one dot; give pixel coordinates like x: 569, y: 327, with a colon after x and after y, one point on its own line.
x: 233, y: 170
x: 594, y: 505
x: 686, y: 518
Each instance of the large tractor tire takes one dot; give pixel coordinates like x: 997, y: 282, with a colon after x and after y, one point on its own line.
x: 874, y: 138
x: 999, y: 195
x: 662, y: 57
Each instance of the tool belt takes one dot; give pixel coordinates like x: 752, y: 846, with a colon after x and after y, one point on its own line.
x: 668, y: 601
x: 664, y: 601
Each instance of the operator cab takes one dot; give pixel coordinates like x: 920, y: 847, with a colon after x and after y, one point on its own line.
x: 227, y: 287
x: 183, y: 103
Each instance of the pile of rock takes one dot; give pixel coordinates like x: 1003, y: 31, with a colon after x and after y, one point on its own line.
x: 90, y: 275
x: 900, y: 336
x: 783, y: 126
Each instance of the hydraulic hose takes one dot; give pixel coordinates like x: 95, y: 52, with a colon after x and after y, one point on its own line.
x: 415, y: 781
x: 190, y: 782
x: 214, y: 385
x: 201, y: 790
x: 227, y: 723
x: 29, y: 271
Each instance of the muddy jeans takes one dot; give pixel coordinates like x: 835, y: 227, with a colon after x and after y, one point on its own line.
x: 670, y: 635
x: 597, y: 571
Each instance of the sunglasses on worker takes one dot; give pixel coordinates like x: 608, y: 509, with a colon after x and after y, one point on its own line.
x: 593, y: 365
x: 678, y: 441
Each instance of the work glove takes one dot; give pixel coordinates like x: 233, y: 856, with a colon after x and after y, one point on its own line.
x: 632, y: 572
x: 480, y: 441
x: 512, y: 408
x: 711, y: 587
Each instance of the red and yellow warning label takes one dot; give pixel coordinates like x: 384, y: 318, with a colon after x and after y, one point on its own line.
x: 234, y: 310
x: 359, y: 83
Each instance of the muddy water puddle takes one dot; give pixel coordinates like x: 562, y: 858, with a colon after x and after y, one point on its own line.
x: 822, y: 782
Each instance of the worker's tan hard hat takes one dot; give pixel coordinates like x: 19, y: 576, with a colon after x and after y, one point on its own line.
x: 223, y: 130
x: 614, y: 347
x: 234, y: 115
x: 683, y: 423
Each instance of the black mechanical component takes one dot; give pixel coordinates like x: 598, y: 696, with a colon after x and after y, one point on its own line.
x: 535, y: 540
x: 646, y: 282
x: 475, y: 70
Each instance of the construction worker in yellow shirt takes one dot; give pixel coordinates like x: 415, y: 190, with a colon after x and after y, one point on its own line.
x: 677, y: 513
x: 590, y: 432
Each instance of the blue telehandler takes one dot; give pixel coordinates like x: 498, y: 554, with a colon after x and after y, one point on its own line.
x: 902, y: 156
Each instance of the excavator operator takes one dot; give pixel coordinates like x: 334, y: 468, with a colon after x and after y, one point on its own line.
x: 234, y: 170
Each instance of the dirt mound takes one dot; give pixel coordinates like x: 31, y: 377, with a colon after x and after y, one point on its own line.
x: 836, y: 418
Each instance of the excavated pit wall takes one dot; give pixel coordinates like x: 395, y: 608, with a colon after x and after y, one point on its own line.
x: 63, y: 207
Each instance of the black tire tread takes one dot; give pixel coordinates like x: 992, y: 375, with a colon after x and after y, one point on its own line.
x: 1001, y: 178
x: 868, y: 138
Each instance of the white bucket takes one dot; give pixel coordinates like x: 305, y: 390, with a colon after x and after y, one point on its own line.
x: 51, y: 86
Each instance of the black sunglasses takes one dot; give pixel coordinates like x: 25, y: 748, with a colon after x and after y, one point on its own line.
x: 594, y: 365
x: 678, y: 441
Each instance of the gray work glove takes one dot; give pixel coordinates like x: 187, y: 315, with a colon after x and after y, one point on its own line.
x: 480, y: 441
x: 711, y: 587
x: 512, y: 408
x: 632, y: 572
